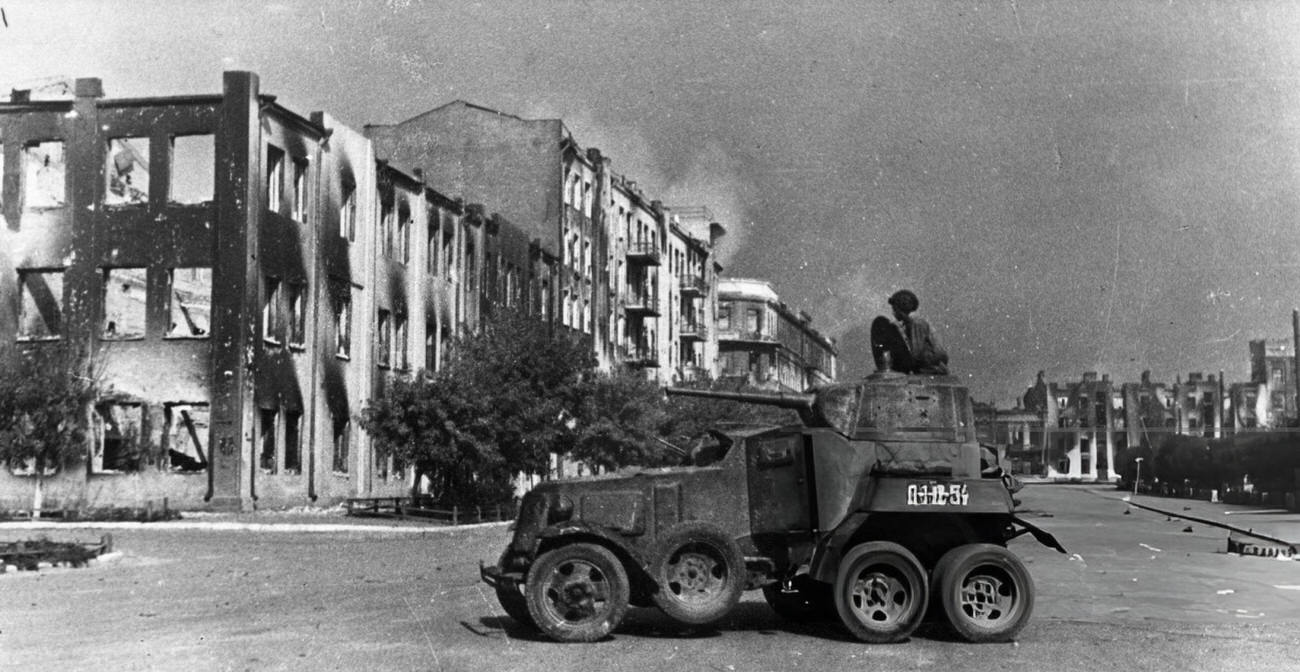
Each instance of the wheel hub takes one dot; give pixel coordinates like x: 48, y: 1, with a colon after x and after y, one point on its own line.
x: 576, y: 591
x: 694, y: 576
x: 880, y: 598
x: 985, y: 598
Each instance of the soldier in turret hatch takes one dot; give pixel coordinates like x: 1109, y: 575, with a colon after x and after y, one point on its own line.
x: 908, y: 345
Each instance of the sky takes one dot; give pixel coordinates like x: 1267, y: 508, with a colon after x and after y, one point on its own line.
x: 1068, y: 186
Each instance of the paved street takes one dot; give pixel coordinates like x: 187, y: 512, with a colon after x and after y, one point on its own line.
x: 1136, y: 592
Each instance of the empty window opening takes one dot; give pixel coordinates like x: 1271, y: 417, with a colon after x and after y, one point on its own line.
x: 342, y: 444
x: 40, y: 315
x: 127, y: 171
x: 381, y: 463
x: 44, y: 175
x: 271, y: 312
x: 448, y: 241
x: 348, y: 212
x: 384, y: 332
x: 299, y: 190
x: 342, y: 322
x: 293, y: 442
x: 431, y: 244
x: 274, y: 177
x: 186, y: 436
x: 404, y: 232
x: 266, y: 461
x: 124, y: 300
x: 297, y: 315
x: 400, y: 349
x: 386, y: 228
x: 430, y: 346
x: 193, y: 169
x: 189, y: 298
x: 119, y: 428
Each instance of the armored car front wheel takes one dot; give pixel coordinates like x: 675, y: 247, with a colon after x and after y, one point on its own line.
x: 881, y: 592
x: 577, y: 593
x: 985, y: 591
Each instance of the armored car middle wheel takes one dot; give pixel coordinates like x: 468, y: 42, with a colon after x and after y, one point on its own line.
x: 881, y: 592
x: 699, y: 572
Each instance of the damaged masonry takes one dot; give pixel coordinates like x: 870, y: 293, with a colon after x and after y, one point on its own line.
x: 248, y: 277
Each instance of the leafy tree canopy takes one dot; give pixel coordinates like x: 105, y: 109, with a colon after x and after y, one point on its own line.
x: 44, y: 396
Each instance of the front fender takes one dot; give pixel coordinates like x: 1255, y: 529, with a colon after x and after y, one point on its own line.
x: 573, y: 531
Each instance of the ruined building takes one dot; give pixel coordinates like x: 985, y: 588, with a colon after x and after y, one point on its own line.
x: 247, y: 277
x: 632, y: 272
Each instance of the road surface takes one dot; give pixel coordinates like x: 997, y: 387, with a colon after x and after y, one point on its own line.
x: 1136, y: 592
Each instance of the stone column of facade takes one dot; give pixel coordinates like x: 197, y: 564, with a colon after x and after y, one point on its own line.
x: 235, y: 291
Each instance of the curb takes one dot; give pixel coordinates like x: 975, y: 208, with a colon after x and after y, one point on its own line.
x: 1276, y: 547
x: 225, y: 526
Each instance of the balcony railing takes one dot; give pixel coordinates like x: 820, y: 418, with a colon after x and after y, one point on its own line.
x: 744, y: 335
x: 692, y: 285
x: 643, y: 252
x: 696, y: 331
x: 642, y: 304
x: 638, y: 356
x: 689, y: 373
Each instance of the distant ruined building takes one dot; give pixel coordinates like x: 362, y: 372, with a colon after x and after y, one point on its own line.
x: 1075, y: 430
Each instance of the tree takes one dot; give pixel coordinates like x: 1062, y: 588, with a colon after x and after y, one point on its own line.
x: 504, y: 402
x: 45, y: 394
x: 531, y: 381
x: 617, y: 423
x: 436, y: 424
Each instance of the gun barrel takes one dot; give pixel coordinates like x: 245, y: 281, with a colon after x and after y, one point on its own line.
x: 799, y: 402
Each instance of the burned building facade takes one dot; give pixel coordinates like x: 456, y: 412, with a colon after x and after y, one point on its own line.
x: 632, y: 271
x: 246, y: 278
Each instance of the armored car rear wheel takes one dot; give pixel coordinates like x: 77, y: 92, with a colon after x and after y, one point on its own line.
x: 985, y: 591
x: 700, y: 573
x: 881, y: 592
x: 577, y: 593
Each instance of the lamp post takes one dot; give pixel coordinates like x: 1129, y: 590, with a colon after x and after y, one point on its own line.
x: 1138, y: 477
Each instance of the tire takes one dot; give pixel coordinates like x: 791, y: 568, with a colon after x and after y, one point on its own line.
x: 808, y: 601
x: 515, y: 604
x: 881, y: 592
x: 699, y: 573
x: 577, y: 593
x: 985, y: 592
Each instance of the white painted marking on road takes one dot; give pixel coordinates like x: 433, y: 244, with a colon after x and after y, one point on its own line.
x: 1287, y: 587
x: 1151, y: 548
x: 1226, y: 591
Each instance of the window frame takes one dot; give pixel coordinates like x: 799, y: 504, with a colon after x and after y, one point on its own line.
x: 57, y: 334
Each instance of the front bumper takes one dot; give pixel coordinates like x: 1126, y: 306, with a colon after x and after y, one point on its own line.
x: 498, y: 578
